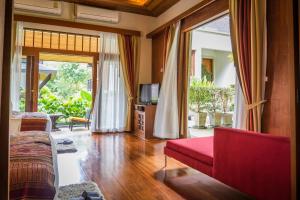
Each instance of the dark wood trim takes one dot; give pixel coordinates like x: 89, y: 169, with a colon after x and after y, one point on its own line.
x: 190, y: 11
x: 5, y: 101
x: 56, y: 22
x: 34, y: 50
x: 150, y: 8
x: 162, y: 7
x: 206, y: 14
x: 158, y: 60
x: 28, y: 96
x: 35, y: 82
x: 94, y: 78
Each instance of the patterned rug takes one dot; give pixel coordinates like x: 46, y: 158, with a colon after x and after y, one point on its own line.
x: 75, y: 190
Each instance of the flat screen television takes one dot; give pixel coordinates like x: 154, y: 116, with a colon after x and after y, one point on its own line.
x: 149, y: 93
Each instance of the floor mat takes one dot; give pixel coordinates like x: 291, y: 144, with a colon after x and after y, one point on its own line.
x: 75, y: 190
x: 66, y: 148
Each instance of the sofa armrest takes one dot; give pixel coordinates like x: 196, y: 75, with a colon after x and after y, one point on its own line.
x: 257, y: 164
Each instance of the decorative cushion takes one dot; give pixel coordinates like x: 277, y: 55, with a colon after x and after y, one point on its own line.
x: 198, y: 148
x: 78, y: 119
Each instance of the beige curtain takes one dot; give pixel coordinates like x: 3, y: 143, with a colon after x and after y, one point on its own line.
x: 129, y: 56
x: 166, y: 123
x: 183, y: 78
x: 248, y: 33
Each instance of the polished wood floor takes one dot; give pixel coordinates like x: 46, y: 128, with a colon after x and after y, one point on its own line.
x: 125, y: 167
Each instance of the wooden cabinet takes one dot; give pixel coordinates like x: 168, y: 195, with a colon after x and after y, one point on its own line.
x: 144, y: 120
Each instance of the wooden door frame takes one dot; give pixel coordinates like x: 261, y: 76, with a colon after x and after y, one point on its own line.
x: 295, y: 139
x: 5, y: 101
x: 34, y: 76
x: 29, y: 87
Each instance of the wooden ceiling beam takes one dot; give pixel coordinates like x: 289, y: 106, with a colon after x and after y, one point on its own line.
x: 161, y: 6
x: 120, y: 6
x: 150, y: 7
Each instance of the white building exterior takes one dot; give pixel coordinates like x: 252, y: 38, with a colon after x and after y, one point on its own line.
x: 215, y: 45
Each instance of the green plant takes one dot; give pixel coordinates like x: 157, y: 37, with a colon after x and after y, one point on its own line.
x: 69, y: 79
x: 49, y: 102
x: 226, y: 97
x: 75, y: 106
x: 199, y: 95
x: 22, y: 100
x: 205, y: 96
x: 66, y: 92
x: 214, y: 104
x: 86, y: 96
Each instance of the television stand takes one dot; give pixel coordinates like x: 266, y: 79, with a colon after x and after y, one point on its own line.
x: 144, y: 116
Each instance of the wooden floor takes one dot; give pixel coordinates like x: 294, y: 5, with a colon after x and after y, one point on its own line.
x: 125, y: 167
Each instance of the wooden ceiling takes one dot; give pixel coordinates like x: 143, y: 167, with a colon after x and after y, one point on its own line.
x: 144, y: 7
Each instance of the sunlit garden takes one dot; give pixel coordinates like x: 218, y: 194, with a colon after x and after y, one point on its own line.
x: 68, y: 92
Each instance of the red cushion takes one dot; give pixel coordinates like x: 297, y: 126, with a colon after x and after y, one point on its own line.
x: 198, y: 148
x: 256, y: 164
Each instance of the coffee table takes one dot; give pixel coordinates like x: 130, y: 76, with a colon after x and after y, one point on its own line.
x: 54, y: 118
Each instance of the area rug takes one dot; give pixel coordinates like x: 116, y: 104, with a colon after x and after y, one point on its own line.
x: 65, y: 148
x: 75, y: 190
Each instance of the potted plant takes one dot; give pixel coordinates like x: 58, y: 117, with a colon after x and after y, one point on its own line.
x: 214, y: 115
x: 226, y: 96
x: 198, y: 100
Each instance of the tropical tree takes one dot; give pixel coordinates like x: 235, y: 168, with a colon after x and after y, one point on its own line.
x: 70, y: 79
x: 67, y: 93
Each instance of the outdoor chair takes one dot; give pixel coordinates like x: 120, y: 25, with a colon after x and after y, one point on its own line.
x: 80, y: 120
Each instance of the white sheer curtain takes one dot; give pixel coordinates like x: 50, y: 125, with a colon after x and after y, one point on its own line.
x: 109, y: 113
x: 166, y: 124
x: 16, y: 70
x: 239, y: 117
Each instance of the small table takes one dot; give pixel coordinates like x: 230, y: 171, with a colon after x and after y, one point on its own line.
x: 54, y: 118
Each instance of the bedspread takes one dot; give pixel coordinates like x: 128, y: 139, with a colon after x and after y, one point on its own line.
x: 32, y: 174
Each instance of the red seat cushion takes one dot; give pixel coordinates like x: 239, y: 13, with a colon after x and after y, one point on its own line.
x: 198, y: 148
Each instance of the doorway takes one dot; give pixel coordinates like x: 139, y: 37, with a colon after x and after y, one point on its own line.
x: 212, y: 78
x: 65, y: 88
x: 60, y: 77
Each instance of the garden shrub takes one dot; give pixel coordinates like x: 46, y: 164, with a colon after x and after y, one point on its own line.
x: 204, y: 96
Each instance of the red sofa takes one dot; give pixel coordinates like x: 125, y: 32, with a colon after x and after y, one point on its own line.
x: 256, y: 164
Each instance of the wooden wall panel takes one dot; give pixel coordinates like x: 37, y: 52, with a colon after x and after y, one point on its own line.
x: 158, y: 46
x: 279, y: 111
x: 279, y: 117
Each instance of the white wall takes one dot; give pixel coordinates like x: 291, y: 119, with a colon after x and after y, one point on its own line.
x: 217, y: 47
x: 224, y: 71
x: 210, y: 40
x: 141, y: 23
